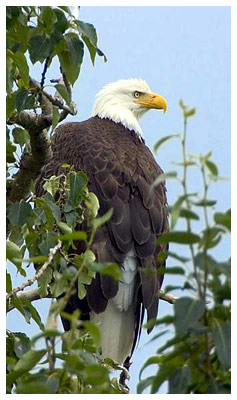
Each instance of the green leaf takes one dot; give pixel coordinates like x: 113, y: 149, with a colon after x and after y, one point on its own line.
x: 91, y: 48
x: 25, y: 364
x: 96, y: 374
x: 10, y: 70
x: 62, y: 23
x: 187, y: 312
x: 185, y: 213
x: 221, y: 337
x: 47, y: 241
x: 190, y: 112
x: 163, y: 177
x: 205, y: 203
x: 81, y: 290
x: 28, y: 307
x: 87, y: 30
x: 10, y: 105
x: 168, y: 319
x: 56, y: 117
x: 152, y: 360
x: 179, y: 380
x: 33, y: 388
x: 62, y: 90
x: 176, y: 208
x: 71, y: 58
x: 40, y: 47
x: 43, y: 282
x: 223, y: 219
x: 42, y: 203
x: 162, y: 375
x: 177, y: 257
x: 14, y: 253
x: 174, y: 270
x: 97, y: 222
x: 55, y: 210
x: 21, y: 136
x: 211, y: 237
x: 101, y: 54
x: 143, y: 384
x: 76, y: 235
x: 92, y: 203
x: 53, y: 382
x: 64, y: 227
x: 205, y: 262
x: 169, y: 288
x: 181, y: 237
x: 163, y: 140
x: 8, y: 283
x: 48, y: 18
x: 23, y: 67
x: 94, y: 331
x: 212, y: 167
x: 182, y: 105
x: 89, y: 36
x: 18, y: 212
x: 110, y: 269
x: 77, y: 182
x: 22, y: 344
x: 52, y: 185
x: 24, y: 100
x: 10, y: 150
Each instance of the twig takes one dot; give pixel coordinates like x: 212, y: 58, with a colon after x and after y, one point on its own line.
x: 167, y: 297
x: 44, y: 72
x: 184, y: 184
x: 30, y: 282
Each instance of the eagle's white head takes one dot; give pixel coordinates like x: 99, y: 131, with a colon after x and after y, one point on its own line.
x: 125, y: 101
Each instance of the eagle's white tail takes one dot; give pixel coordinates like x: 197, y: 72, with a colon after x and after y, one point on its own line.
x: 117, y: 322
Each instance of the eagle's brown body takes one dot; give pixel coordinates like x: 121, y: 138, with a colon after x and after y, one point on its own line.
x: 121, y: 170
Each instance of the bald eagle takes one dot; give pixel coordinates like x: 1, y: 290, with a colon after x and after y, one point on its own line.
x: 110, y: 149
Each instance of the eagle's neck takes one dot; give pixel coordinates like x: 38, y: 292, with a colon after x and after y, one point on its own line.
x: 118, y: 114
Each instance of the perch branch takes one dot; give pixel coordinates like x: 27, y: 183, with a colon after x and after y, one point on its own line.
x: 34, y: 294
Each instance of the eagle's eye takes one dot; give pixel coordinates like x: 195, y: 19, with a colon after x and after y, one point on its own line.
x: 136, y: 94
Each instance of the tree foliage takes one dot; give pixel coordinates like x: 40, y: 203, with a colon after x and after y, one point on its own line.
x: 43, y: 231
x: 196, y: 359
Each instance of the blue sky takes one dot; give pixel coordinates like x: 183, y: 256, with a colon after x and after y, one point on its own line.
x: 182, y: 52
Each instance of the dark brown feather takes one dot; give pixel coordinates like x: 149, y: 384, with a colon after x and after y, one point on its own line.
x: 121, y: 170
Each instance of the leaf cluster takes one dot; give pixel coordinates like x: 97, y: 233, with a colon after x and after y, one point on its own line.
x: 41, y: 34
x: 36, y: 226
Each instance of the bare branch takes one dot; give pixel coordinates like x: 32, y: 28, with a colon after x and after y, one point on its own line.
x: 34, y: 294
x: 30, y: 282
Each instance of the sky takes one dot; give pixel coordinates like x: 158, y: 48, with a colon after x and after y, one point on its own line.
x: 182, y: 53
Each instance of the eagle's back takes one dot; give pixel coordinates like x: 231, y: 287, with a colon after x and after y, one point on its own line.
x: 121, y: 170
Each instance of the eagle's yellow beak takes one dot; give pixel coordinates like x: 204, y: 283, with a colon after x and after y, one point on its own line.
x: 152, y: 100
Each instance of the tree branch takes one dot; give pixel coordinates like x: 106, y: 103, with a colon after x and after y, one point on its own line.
x: 167, y: 297
x: 30, y: 282
x: 34, y: 294
x: 32, y: 162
